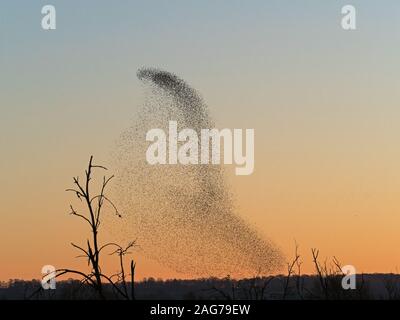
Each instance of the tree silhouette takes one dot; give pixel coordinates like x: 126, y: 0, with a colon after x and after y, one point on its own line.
x: 94, y: 205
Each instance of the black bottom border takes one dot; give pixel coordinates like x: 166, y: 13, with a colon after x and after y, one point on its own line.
x: 199, y: 309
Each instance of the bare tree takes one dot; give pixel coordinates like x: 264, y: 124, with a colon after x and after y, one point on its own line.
x: 94, y: 204
x: 330, y: 278
x: 291, y: 271
x: 321, y: 272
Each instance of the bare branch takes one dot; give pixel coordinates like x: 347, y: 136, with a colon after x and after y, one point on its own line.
x: 74, y: 213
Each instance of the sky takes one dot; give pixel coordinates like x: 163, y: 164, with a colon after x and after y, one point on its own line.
x: 323, y: 102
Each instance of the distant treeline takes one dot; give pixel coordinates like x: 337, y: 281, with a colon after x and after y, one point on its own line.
x: 369, y: 286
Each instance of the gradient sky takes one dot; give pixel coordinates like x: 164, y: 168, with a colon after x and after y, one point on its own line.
x: 324, y: 103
